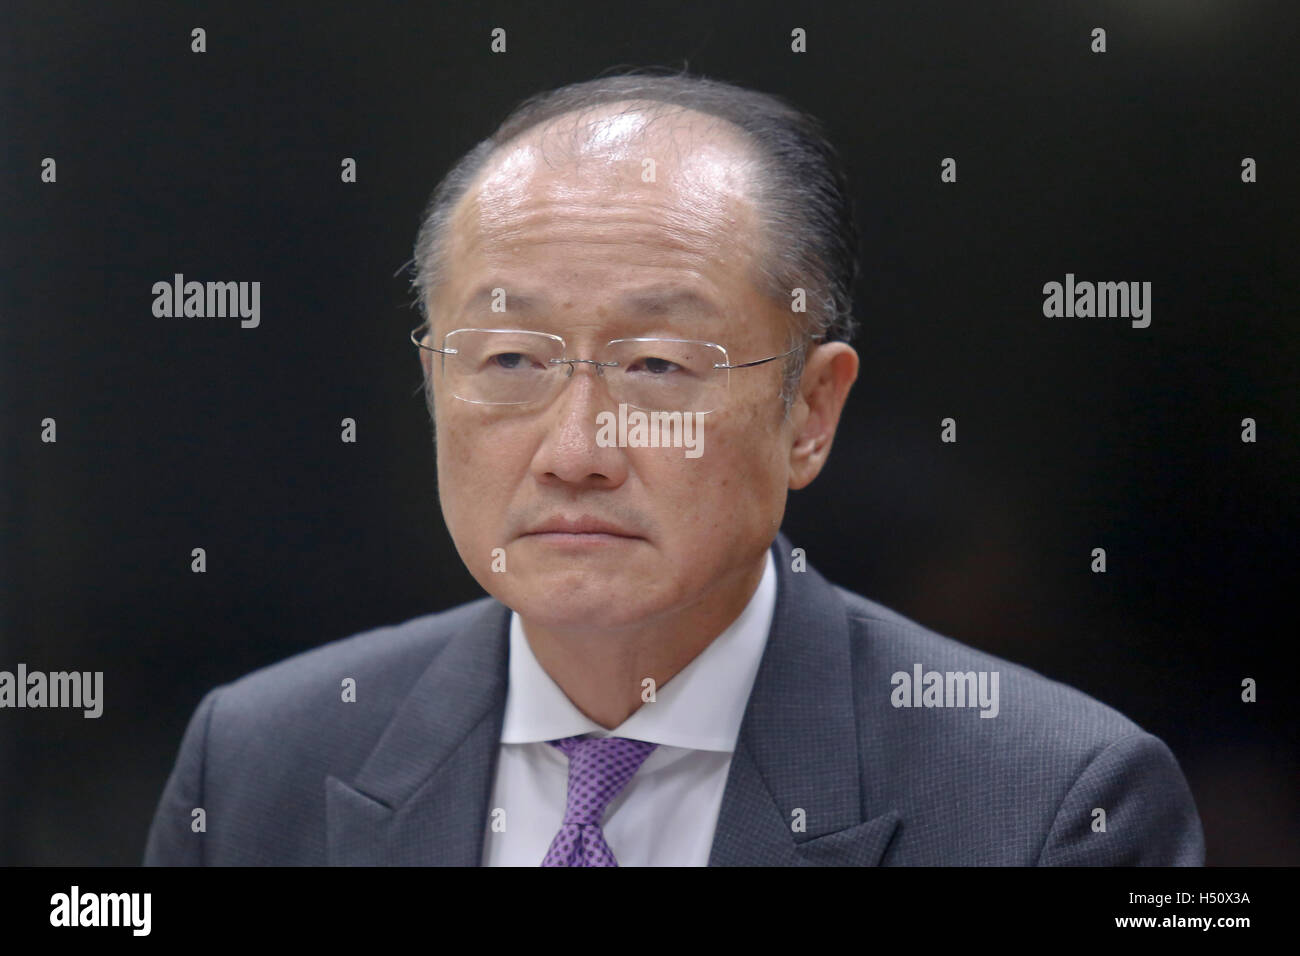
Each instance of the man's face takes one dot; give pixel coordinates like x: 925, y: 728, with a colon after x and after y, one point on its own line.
x: 573, y: 228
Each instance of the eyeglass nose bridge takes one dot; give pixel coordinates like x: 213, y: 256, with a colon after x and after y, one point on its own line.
x: 574, y: 361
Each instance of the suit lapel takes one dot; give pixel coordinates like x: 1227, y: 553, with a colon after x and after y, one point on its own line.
x: 798, y: 746
x: 420, y: 799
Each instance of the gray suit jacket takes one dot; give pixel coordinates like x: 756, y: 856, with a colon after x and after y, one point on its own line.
x: 288, y: 773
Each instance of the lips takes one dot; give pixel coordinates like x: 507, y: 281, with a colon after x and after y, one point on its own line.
x: 581, y: 525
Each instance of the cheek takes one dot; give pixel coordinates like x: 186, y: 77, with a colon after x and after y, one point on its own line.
x: 471, y: 475
x: 737, y: 482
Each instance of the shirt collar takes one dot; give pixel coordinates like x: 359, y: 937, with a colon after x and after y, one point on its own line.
x: 700, y: 708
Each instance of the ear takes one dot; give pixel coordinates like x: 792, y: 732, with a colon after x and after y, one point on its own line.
x: 829, y: 372
x: 426, y: 357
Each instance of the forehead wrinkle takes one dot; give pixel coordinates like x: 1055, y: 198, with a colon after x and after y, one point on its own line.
x: 648, y: 227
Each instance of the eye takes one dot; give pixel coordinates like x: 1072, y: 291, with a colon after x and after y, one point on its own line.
x: 655, y: 366
x: 509, y: 360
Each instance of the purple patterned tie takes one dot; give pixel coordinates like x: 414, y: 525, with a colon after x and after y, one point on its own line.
x: 599, y: 768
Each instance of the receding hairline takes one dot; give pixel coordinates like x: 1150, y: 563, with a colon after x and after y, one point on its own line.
x: 657, y: 111
x: 717, y: 130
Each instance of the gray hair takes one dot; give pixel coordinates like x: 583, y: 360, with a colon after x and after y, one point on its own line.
x: 805, y: 209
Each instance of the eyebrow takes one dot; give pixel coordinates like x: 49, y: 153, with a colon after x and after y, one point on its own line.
x: 515, y: 301
x: 655, y: 300
x: 667, y: 299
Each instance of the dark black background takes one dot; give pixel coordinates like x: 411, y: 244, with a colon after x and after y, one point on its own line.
x: 1073, y: 433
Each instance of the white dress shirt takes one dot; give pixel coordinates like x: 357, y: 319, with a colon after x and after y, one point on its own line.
x: 667, y: 814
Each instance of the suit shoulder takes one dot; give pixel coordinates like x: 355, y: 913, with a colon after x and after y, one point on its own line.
x: 1019, y: 788
x: 1029, y: 702
x: 389, y: 658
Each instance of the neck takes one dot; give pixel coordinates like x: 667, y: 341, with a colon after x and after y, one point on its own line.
x: 602, y: 671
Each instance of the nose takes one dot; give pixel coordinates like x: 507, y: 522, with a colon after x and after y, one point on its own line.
x: 569, y: 453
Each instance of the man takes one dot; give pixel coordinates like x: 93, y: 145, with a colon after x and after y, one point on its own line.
x: 658, y: 677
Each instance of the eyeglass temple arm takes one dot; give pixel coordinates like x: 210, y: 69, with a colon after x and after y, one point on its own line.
x: 429, y: 348
x: 815, y: 338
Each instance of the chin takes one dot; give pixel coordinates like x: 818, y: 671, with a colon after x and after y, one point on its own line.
x: 602, y: 618
x: 580, y: 601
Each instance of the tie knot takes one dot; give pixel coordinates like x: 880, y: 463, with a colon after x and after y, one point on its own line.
x: 599, y: 769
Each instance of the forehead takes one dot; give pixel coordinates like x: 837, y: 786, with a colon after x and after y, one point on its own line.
x: 623, y: 149
x: 611, y: 202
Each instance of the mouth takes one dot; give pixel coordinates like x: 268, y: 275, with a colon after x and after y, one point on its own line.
x: 580, y: 529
